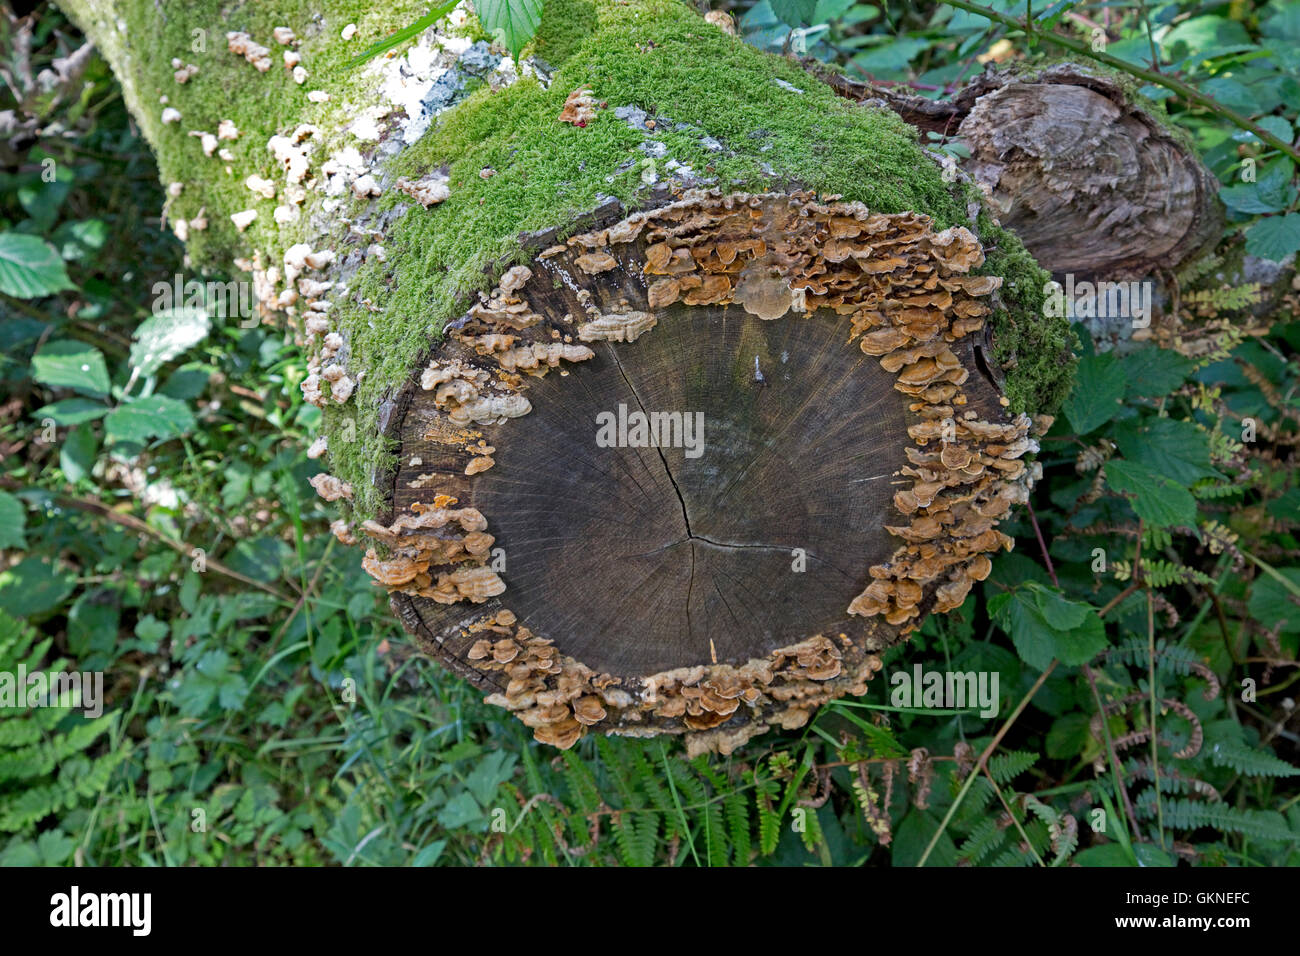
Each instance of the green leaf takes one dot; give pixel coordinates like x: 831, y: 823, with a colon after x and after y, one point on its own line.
x: 92, y: 624
x: 1153, y: 372
x: 13, y: 520
x: 1158, y: 501
x: 1174, y: 449
x: 42, y: 200
x: 1271, y: 192
x: 893, y: 56
x: 1149, y: 855
x: 72, y: 411
x: 461, y: 810
x: 1044, y: 624
x: 429, y: 855
x: 162, y: 337
x: 1276, y: 238
x: 1201, y: 33
x: 77, y: 454
x: 1099, y: 386
x: 913, y: 836
x: 33, y: 586
x: 1272, y: 602
x: 30, y: 267
x: 795, y: 13
x: 55, y: 847
x: 154, y: 417
x: 68, y: 363
x: 1060, y: 613
x: 512, y: 23
x: 1276, y: 125
x: 78, y: 240
x: 404, y: 34
x: 187, y: 382
x: 1254, y: 763
x: 1070, y: 736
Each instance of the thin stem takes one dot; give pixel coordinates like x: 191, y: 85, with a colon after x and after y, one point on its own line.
x: 1111, y: 756
x: 1151, y: 685
x: 1006, y: 806
x: 1042, y: 545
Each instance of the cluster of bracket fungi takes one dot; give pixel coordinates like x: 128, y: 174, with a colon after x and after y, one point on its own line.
x: 908, y: 291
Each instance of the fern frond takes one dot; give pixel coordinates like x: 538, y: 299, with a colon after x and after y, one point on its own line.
x: 1252, y: 763
x: 1161, y: 574
x: 1006, y: 767
x: 1186, y: 814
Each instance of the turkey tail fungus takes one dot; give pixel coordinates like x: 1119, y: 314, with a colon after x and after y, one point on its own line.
x: 662, y: 387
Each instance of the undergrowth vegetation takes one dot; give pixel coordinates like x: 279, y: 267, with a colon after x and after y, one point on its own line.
x: 261, y: 705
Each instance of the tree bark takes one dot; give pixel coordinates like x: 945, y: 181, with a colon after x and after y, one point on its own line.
x: 839, y: 356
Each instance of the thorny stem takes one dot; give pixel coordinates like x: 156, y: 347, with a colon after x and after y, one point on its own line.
x: 1185, y: 90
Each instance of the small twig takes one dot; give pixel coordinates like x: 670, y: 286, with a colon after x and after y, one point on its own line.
x: 135, y: 524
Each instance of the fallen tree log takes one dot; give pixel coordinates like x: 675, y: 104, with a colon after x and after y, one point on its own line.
x: 662, y: 387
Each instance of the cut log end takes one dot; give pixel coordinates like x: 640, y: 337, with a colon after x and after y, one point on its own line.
x: 1091, y: 177
x: 692, y: 470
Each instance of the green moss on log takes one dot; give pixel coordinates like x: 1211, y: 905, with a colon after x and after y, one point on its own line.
x: 656, y: 55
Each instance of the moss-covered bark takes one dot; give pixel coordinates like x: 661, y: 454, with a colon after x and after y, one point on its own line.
x: 722, y: 115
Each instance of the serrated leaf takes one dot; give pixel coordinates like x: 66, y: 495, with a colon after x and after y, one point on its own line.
x: 1176, y: 450
x: 1099, y: 386
x: 1247, y: 760
x: 156, y: 416
x: 512, y: 23
x: 1276, y: 238
x: 1271, y: 192
x: 162, y: 337
x: 1036, y: 634
x: 68, y: 363
x: 1058, y: 612
x: 1153, y: 372
x: 30, y: 267
x: 1159, y: 502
